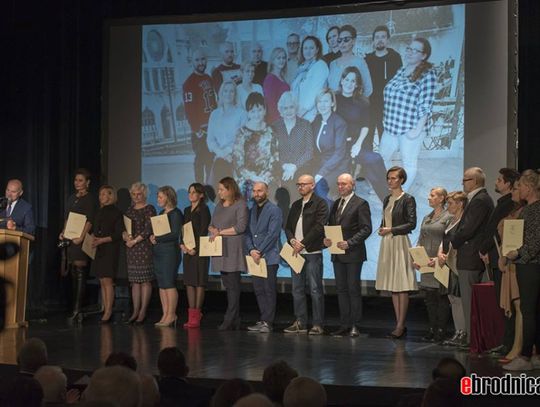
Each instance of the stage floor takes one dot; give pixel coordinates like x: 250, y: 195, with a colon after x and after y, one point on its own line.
x: 369, y: 360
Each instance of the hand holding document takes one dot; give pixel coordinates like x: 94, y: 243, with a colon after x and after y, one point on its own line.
x: 296, y: 262
x: 211, y: 249
x: 160, y: 225
x: 74, y: 225
x: 421, y: 258
x: 87, y: 246
x: 188, y: 236
x: 127, y: 225
x: 255, y: 269
x: 442, y: 274
x: 512, y: 238
x: 335, y: 234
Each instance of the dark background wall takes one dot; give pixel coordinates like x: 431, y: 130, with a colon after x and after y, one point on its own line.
x: 52, y: 65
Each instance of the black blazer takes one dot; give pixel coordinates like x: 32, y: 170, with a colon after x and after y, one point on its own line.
x: 505, y: 205
x: 469, y: 232
x: 403, y: 214
x: 314, y: 218
x: 356, y: 225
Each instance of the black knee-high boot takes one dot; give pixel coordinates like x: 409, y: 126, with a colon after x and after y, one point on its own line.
x: 78, y: 277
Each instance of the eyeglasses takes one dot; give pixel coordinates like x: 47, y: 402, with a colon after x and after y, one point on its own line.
x: 416, y: 51
x: 344, y: 39
x: 467, y: 179
x: 293, y: 42
x: 301, y: 185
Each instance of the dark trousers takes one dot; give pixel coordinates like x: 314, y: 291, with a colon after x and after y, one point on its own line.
x: 528, y: 278
x: 349, y: 293
x: 203, y: 158
x: 312, y: 272
x: 231, y: 281
x: 374, y: 171
x: 376, y: 123
x: 467, y: 278
x: 509, y: 323
x: 265, y: 292
x: 438, y: 308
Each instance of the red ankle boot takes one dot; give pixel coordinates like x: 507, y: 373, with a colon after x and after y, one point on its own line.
x: 194, y: 318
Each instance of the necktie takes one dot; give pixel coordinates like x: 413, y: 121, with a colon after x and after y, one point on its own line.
x: 340, y: 209
x: 8, y: 211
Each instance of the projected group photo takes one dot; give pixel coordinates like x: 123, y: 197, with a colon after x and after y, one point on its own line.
x: 272, y: 99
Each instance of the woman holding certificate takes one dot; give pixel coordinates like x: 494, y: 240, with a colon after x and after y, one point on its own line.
x: 167, y: 255
x: 230, y: 220
x: 81, y: 202
x: 431, y: 236
x: 395, y: 272
x: 195, y: 267
x: 527, y: 260
x: 107, y: 230
x: 455, y: 203
x: 140, y: 265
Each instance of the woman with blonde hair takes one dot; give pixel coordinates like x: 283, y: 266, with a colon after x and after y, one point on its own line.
x: 140, y: 265
x: 167, y: 256
x: 431, y: 236
x: 275, y: 84
x: 107, y: 230
x: 223, y: 125
x: 455, y: 203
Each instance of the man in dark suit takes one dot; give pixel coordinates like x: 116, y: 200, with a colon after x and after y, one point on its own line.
x: 18, y: 213
x: 353, y: 215
x: 469, y: 235
x: 262, y: 238
x: 305, y: 233
x: 488, y: 252
x: 174, y: 387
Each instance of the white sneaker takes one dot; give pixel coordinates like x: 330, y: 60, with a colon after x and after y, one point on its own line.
x: 265, y: 328
x: 256, y: 327
x: 519, y: 364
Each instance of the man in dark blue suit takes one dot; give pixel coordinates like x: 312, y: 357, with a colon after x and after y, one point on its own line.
x: 18, y: 213
x: 353, y: 215
x: 262, y: 238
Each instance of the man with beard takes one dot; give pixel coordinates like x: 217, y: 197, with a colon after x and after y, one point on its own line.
x: 228, y: 70
x: 488, y: 252
x: 383, y: 63
x: 262, y: 240
x: 305, y: 233
x: 199, y: 101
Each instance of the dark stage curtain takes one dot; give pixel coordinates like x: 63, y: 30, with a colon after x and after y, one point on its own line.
x: 52, y: 116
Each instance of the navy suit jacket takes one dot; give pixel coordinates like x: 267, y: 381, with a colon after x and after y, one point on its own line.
x: 333, y: 145
x: 263, y: 232
x: 355, y: 223
x: 22, y: 216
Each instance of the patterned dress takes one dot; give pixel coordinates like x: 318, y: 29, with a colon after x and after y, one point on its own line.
x: 255, y: 154
x: 140, y: 265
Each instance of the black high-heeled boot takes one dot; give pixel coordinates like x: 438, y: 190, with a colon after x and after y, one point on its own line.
x: 78, y: 277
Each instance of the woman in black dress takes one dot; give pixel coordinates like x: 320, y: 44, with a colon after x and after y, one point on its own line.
x: 195, y: 267
x: 81, y: 202
x: 167, y: 256
x: 107, y: 230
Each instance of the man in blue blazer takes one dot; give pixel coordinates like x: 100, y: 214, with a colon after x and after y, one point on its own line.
x: 262, y: 237
x: 353, y: 215
x: 18, y: 213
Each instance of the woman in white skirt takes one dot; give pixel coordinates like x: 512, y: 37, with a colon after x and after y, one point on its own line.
x: 395, y: 272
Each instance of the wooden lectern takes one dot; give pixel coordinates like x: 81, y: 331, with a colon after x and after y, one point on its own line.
x: 14, y: 272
